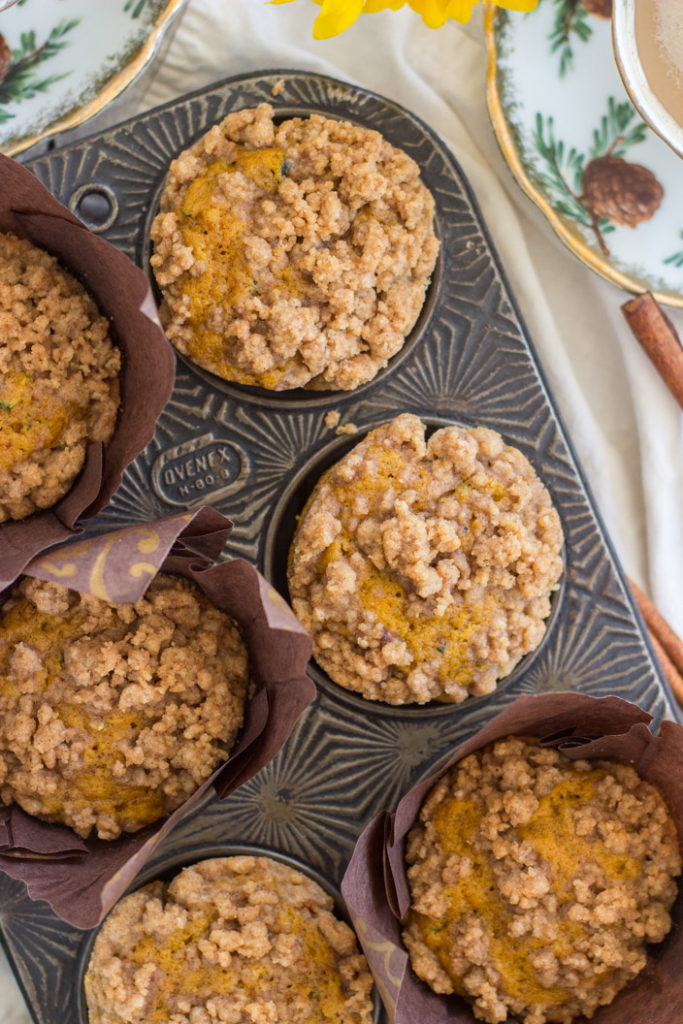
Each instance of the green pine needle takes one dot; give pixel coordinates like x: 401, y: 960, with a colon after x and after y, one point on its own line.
x: 561, y: 176
x: 676, y: 260
x: 614, y: 136
x: 21, y: 81
x: 571, y: 19
x: 137, y: 10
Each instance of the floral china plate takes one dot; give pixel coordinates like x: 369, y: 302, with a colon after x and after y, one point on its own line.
x: 607, y: 184
x: 63, y: 62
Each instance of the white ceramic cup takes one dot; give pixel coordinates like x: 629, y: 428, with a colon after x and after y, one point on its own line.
x: 648, y: 46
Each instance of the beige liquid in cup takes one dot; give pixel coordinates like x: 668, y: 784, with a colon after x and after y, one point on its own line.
x: 659, y: 39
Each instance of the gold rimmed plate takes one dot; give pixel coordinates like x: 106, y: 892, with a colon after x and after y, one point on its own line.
x: 60, y: 64
x: 607, y: 184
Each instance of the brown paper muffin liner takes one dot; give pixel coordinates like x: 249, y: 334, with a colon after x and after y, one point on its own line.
x: 123, y: 295
x: 375, y: 886
x: 82, y: 878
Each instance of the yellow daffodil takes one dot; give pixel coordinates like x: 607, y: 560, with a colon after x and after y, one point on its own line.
x: 337, y: 15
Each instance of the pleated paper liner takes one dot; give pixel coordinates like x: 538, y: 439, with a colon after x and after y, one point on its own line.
x: 375, y: 886
x: 122, y: 294
x: 82, y: 878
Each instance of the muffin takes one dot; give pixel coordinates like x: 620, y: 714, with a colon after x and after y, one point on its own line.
x: 111, y: 715
x: 424, y: 568
x: 239, y: 939
x: 537, y: 881
x: 292, y: 254
x: 59, y: 378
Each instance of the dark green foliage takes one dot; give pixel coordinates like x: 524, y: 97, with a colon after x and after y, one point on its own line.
x: 612, y: 136
x: 571, y: 19
x: 21, y: 81
x: 562, y: 174
x: 137, y: 9
x: 676, y: 260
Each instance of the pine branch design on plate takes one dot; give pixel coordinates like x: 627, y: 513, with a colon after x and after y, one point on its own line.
x: 135, y: 7
x: 676, y: 260
x: 601, y: 190
x: 612, y: 137
x: 562, y: 174
x: 571, y: 20
x: 18, y: 77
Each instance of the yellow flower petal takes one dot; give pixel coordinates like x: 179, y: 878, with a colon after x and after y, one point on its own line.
x: 517, y: 5
x: 336, y: 16
x: 372, y: 6
x: 461, y: 10
x: 436, y: 13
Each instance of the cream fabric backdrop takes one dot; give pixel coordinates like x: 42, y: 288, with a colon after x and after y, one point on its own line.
x: 626, y: 427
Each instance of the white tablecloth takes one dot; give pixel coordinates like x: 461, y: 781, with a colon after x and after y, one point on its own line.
x: 626, y: 427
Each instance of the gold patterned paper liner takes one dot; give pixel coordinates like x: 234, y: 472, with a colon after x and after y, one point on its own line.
x: 81, y: 879
x: 375, y: 885
x: 122, y: 293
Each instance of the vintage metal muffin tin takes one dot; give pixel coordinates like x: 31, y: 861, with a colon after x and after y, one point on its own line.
x: 256, y: 455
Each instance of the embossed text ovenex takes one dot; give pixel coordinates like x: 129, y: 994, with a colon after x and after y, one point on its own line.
x: 256, y: 455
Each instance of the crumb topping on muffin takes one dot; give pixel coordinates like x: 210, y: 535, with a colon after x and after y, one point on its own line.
x: 293, y: 254
x: 111, y: 715
x: 59, y: 378
x: 245, y: 940
x: 537, y: 882
x: 424, y: 567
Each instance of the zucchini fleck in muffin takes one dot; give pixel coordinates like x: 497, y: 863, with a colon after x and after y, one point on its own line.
x: 59, y: 378
x: 292, y: 255
x: 111, y: 715
x: 245, y: 940
x: 537, y: 882
x: 424, y: 567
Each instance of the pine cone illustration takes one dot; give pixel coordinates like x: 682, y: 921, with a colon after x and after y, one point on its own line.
x: 5, y: 57
x: 622, y: 192
x: 601, y: 8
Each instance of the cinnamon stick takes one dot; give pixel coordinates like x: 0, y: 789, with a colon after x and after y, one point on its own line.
x: 672, y: 644
x: 658, y: 337
x: 668, y: 646
x: 673, y: 676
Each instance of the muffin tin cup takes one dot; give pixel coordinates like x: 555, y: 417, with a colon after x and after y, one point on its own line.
x: 167, y: 867
x: 279, y: 537
x: 82, y: 878
x: 375, y: 885
x: 122, y: 294
x: 309, y: 395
